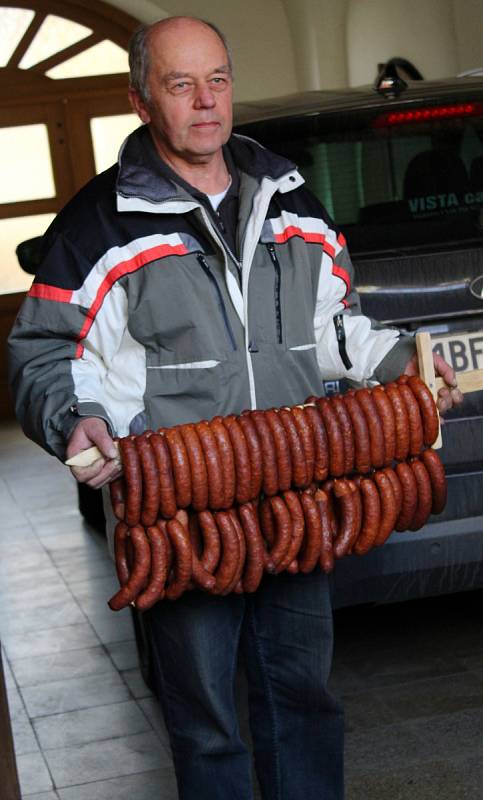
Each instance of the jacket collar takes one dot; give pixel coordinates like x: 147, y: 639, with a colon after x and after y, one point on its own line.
x: 144, y: 175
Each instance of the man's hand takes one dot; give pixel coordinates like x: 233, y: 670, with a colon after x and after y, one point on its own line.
x: 448, y: 396
x: 88, y: 432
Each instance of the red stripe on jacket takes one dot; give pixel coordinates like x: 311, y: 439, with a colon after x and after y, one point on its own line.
x: 46, y: 292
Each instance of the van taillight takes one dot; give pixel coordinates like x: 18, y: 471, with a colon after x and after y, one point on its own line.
x: 428, y: 114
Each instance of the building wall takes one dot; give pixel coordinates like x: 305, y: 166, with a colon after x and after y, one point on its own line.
x: 280, y: 46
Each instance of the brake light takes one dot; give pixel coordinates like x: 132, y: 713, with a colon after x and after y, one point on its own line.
x: 428, y: 114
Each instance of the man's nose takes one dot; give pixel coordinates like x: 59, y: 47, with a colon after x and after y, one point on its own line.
x: 204, y: 97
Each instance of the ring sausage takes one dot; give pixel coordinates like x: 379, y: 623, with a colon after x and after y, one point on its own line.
x: 133, y: 477
x: 282, y: 450
x: 374, y: 424
x: 150, y: 504
x: 435, y: 468
x: 402, y: 421
x: 294, y: 506
x: 209, y: 447
x: 334, y: 437
x: 227, y: 460
x: 182, y: 559
x: 139, y: 573
x: 167, y: 494
x: 321, y: 445
x: 283, y: 530
x: 425, y: 498
x: 309, y: 554
x: 255, y: 453
x: 371, y: 516
x: 312, y: 445
x: 396, y: 486
x: 362, y: 459
x: 180, y: 465
x: 242, y: 460
x: 347, y: 432
x: 299, y: 466
x: 416, y: 438
x: 326, y: 559
x: 255, y: 557
x: 198, y: 471
x: 427, y: 406
x: 211, y: 550
x: 117, y: 494
x: 230, y: 551
x: 154, y: 591
x: 388, y: 422
x: 121, y: 533
x: 269, y: 457
x: 409, y: 496
x: 388, y: 507
x: 348, y: 528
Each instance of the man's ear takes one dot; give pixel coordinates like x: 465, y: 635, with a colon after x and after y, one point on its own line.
x: 138, y: 105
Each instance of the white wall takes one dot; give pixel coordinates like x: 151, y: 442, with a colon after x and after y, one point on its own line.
x: 280, y: 46
x: 419, y: 30
x: 257, y: 31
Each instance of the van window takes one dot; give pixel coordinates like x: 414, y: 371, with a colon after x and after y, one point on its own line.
x: 390, y: 185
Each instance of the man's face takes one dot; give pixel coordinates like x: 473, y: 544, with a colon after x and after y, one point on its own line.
x: 190, y: 92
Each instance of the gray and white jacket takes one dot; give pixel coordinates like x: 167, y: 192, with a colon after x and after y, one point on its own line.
x: 141, y: 315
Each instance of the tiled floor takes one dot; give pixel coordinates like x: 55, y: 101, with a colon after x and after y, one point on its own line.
x: 86, y: 727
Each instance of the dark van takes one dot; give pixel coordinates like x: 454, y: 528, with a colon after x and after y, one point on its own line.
x: 401, y: 172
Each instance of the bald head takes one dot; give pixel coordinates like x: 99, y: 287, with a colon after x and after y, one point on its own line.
x: 160, y: 33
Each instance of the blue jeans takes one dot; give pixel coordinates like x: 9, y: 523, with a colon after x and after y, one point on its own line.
x: 284, y: 632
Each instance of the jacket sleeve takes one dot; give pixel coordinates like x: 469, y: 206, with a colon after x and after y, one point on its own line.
x: 57, y: 359
x: 349, y: 344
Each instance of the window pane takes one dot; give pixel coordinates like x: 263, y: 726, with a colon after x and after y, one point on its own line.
x: 25, y: 164
x: 13, y: 24
x: 108, y: 134
x: 105, y: 58
x: 12, y: 232
x: 54, y: 34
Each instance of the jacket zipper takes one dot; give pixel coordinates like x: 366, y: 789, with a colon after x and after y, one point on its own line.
x: 207, y: 269
x: 340, y: 334
x: 277, y: 291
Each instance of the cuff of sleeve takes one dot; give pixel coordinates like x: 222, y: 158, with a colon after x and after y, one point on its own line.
x: 85, y: 409
x: 394, y: 363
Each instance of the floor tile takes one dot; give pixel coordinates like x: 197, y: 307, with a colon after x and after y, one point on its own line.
x: 136, y: 684
x: 112, y: 758
x: 142, y: 786
x: 42, y: 796
x: 123, y: 654
x: 43, y: 617
x: 112, y: 626
x: 61, y: 666
x: 90, y: 725
x: 152, y: 709
x: 37, y: 643
x: 33, y: 774
x: 72, y: 695
x: 24, y: 738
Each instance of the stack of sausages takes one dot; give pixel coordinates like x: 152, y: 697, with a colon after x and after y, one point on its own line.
x: 214, y: 505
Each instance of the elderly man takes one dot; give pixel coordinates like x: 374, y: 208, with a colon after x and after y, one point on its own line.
x: 199, y: 277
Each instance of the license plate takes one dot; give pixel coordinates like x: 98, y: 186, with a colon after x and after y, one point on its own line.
x: 464, y: 351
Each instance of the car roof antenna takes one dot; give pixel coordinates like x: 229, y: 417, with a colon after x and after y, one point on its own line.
x: 389, y: 81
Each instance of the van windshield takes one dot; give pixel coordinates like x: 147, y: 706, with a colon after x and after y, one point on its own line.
x: 388, y: 181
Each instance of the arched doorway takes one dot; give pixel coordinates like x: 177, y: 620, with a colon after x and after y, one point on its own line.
x: 63, y: 114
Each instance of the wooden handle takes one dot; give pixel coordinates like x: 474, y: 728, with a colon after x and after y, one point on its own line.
x: 471, y: 381
x: 424, y: 350
x: 85, y: 457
